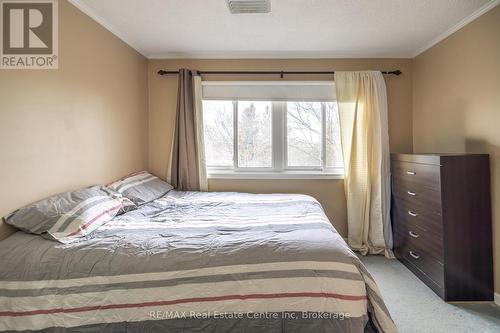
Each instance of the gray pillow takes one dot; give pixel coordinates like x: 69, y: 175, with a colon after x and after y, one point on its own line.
x: 141, y: 187
x: 68, y: 216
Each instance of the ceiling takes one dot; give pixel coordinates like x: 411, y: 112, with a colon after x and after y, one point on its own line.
x: 293, y: 29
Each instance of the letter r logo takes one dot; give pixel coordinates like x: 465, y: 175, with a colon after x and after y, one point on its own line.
x: 27, y: 27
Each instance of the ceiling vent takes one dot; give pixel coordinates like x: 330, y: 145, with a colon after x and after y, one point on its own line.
x: 249, y: 6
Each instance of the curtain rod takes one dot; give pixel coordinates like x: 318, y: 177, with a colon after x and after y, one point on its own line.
x: 280, y: 73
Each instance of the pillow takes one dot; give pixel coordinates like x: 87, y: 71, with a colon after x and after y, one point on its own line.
x: 68, y: 216
x: 141, y: 187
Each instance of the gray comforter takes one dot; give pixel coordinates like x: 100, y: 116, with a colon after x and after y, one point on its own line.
x: 194, y: 262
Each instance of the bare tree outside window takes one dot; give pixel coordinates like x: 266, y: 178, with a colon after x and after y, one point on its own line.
x: 218, y: 130
x: 307, y: 135
x: 254, y: 134
x: 333, y: 153
x: 304, y: 134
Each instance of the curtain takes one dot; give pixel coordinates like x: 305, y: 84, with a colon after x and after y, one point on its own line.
x: 200, y: 140
x: 362, y: 102
x: 187, y: 165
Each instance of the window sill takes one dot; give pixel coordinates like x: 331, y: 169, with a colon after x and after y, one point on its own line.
x: 230, y: 174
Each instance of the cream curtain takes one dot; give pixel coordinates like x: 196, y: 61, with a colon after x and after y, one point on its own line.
x: 362, y: 101
x: 187, y: 165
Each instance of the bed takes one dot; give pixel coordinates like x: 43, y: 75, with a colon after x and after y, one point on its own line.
x: 194, y: 262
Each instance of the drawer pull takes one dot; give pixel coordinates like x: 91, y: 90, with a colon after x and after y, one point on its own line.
x: 412, y: 193
x: 414, y: 235
x: 412, y: 213
x: 414, y: 255
x: 413, y: 173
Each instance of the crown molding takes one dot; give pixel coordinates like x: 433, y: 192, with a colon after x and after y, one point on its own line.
x: 482, y: 10
x: 80, y: 4
x: 274, y: 55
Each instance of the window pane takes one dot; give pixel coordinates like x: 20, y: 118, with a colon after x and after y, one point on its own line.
x: 333, y: 143
x: 218, y: 128
x: 303, y: 120
x: 254, y: 134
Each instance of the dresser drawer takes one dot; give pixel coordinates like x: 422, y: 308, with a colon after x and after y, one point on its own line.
x: 412, y: 216
x: 412, y: 174
x: 417, y: 195
x: 420, y: 238
x: 425, y: 262
x: 439, y: 290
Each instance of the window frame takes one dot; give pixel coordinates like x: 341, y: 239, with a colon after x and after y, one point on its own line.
x: 279, y: 153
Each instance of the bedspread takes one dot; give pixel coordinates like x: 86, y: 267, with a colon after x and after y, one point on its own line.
x: 194, y: 262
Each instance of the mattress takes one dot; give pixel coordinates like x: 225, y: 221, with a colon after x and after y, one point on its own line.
x: 194, y: 262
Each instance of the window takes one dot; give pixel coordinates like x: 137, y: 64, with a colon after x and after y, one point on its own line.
x: 219, y: 133
x: 258, y: 138
x: 304, y: 134
x: 254, y: 135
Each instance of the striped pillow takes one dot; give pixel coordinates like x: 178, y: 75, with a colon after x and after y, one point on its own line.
x: 141, y: 187
x: 68, y: 216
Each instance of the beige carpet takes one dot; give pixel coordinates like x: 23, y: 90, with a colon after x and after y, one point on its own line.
x: 415, y: 308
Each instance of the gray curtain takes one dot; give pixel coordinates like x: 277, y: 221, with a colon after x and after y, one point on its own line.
x: 185, y: 172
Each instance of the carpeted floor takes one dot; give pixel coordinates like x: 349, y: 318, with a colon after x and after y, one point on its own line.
x: 415, y: 308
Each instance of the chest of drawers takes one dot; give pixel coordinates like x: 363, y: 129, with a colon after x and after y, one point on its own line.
x: 441, y: 217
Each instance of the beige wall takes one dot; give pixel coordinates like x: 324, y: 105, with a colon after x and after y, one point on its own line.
x: 456, y: 101
x: 162, y: 104
x: 82, y: 124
